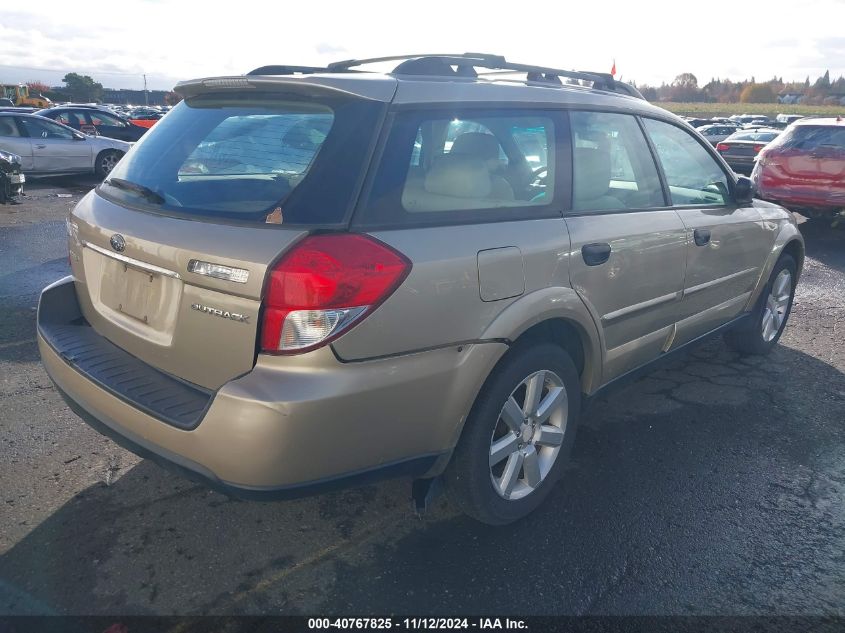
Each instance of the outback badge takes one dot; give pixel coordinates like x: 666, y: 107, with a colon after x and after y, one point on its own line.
x: 225, y: 314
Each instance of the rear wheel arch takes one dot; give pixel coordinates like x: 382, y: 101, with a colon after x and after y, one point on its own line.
x: 566, y: 333
x: 563, y: 333
x: 557, y: 315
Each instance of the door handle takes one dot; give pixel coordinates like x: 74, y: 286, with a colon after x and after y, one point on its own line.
x: 701, y: 236
x: 40, y: 146
x: 595, y: 254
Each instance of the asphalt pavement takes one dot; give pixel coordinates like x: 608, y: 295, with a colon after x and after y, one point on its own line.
x: 713, y: 486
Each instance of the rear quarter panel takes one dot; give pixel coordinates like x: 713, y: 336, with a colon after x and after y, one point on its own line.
x: 440, y: 304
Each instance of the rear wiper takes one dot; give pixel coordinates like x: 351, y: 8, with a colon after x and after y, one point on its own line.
x: 145, y: 192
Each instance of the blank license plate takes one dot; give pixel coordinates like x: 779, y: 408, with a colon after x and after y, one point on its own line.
x: 132, y: 292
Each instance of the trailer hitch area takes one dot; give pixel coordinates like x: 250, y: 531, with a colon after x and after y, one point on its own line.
x: 424, y: 492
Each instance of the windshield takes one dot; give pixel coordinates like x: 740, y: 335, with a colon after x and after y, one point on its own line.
x: 252, y: 159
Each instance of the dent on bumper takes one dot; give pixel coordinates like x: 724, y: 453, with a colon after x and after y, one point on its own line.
x: 303, y: 421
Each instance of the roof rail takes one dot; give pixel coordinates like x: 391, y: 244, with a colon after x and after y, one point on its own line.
x: 465, y: 64
x: 461, y: 65
x: 286, y: 70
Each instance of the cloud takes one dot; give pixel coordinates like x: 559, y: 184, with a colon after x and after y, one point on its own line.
x: 172, y: 40
x: 832, y: 48
x: 329, y: 49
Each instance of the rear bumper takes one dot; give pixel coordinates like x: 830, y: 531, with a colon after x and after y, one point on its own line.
x: 292, y: 425
x: 802, y: 197
x: 739, y: 161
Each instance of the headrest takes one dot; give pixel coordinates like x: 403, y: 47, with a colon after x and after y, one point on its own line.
x: 8, y: 127
x: 592, y: 172
x: 307, y: 135
x: 477, y: 145
x: 459, y: 177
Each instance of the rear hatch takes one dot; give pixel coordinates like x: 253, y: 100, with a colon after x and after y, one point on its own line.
x: 171, y: 252
x: 808, y: 162
x: 736, y: 149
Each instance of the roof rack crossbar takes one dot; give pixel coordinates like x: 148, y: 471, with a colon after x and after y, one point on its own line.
x: 346, y: 64
x: 486, y: 60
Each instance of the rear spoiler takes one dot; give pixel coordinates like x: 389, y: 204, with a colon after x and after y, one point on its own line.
x: 311, y: 86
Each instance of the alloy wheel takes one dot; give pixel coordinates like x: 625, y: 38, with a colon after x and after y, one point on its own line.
x: 108, y: 162
x: 777, y: 304
x: 528, y: 435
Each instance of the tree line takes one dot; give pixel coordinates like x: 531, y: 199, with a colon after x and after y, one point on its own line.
x: 685, y: 89
x: 80, y: 89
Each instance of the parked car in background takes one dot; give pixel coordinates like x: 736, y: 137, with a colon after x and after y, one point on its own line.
x: 804, y: 168
x: 745, y: 119
x: 716, y: 133
x: 740, y: 149
x: 785, y: 120
x: 48, y: 148
x: 696, y: 122
x: 11, y: 177
x: 145, y: 119
x: 6, y: 102
x: 104, y: 123
x: 757, y: 123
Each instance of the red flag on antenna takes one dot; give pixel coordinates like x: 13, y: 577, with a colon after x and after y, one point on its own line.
x: 613, y: 70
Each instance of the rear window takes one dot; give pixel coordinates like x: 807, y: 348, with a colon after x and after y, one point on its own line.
x: 810, y: 137
x: 764, y: 137
x: 256, y: 159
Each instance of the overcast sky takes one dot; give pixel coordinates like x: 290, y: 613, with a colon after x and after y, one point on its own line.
x: 116, y: 42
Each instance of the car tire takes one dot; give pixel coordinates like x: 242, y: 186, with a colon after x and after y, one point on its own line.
x: 477, y: 485
x: 770, y: 314
x: 106, y: 160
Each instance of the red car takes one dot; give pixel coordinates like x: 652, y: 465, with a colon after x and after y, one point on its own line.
x: 146, y: 120
x: 804, y: 168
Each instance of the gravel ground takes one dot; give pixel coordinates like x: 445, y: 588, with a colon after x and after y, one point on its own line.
x: 713, y: 486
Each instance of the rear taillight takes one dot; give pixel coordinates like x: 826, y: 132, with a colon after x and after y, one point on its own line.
x: 324, y: 285
x: 722, y: 147
x: 757, y: 148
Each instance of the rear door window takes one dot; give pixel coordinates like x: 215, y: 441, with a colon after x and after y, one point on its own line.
x: 693, y: 175
x: 261, y: 159
x: 465, y: 167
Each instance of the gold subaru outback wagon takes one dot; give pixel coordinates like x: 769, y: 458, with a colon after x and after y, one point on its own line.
x: 309, y: 277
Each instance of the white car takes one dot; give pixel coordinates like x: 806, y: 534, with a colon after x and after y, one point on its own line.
x: 48, y: 148
x: 716, y: 133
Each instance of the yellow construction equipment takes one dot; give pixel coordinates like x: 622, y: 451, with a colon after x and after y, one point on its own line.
x: 21, y: 96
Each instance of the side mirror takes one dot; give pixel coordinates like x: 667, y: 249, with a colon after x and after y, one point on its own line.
x: 743, y: 190
x: 78, y: 137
